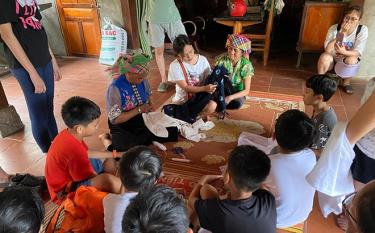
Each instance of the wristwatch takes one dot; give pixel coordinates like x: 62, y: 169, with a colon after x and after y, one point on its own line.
x: 139, y: 110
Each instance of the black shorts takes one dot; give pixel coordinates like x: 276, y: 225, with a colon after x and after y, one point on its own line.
x: 363, y: 167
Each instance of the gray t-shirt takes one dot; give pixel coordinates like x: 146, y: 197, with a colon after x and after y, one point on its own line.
x: 324, y: 123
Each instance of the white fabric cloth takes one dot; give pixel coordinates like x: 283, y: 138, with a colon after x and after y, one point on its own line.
x: 367, y: 143
x: 262, y: 143
x: 351, y: 42
x: 114, y: 207
x: 196, y: 74
x: 330, y: 204
x: 157, y: 123
x: 286, y: 181
x: 331, y: 175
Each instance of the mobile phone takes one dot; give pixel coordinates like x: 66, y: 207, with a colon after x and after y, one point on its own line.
x: 339, y: 37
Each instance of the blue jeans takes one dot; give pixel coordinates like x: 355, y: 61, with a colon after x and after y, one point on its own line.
x: 40, y: 106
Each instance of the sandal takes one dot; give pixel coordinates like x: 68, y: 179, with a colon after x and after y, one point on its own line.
x: 348, y: 89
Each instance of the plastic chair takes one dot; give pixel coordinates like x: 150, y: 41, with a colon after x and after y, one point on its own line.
x: 262, y: 42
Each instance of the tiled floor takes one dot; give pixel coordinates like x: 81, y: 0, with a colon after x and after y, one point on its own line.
x: 85, y: 77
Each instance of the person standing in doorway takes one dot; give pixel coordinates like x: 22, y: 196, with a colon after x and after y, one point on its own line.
x: 163, y: 17
x: 32, y: 63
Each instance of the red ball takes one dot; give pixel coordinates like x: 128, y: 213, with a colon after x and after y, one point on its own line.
x: 238, y: 8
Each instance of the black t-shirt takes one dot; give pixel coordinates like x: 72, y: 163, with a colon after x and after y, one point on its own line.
x: 256, y: 214
x: 25, y: 17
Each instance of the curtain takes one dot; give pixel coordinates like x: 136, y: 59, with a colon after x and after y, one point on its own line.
x: 142, y: 8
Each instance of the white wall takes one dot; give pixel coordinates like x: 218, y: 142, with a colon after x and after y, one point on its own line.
x: 367, y: 69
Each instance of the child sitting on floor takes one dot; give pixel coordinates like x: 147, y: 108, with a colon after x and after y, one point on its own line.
x: 68, y: 165
x: 293, y: 160
x: 21, y: 210
x: 156, y: 209
x: 319, y: 89
x: 247, y: 208
x: 139, y: 167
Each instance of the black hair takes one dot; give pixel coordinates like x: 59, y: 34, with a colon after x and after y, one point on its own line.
x: 350, y: 9
x: 79, y: 111
x: 294, y: 130
x: 366, y: 212
x: 139, y: 167
x: 21, y: 210
x: 248, y: 167
x: 323, y: 85
x: 180, y: 42
x: 156, y: 209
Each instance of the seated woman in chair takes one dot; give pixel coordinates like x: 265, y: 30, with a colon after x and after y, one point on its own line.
x: 239, y: 68
x: 128, y: 96
x: 344, y: 45
x: 188, y: 71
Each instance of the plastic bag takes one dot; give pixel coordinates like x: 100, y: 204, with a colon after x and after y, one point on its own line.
x: 114, y: 43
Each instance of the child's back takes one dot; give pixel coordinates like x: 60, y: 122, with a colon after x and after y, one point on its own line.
x: 247, y: 208
x: 294, y: 131
x: 324, y: 123
x: 139, y: 168
x: 294, y: 197
x: 254, y: 214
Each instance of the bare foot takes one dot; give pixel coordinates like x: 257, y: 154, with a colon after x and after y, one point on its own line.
x: 106, y: 139
x: 342, y: 221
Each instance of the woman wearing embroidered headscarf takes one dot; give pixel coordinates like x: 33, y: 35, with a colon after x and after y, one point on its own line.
x: 32, y: 63
x: 128, y: 96
x: 239, y: 68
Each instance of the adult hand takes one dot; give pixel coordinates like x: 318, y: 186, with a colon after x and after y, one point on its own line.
x: 340, y: 48
x: 210, y: 88
x: 56, y: 70
x: 39, y: 86
x: 145, y: 108
x: 208, y: 179
x: 228, y: 99
x: 345, y: 26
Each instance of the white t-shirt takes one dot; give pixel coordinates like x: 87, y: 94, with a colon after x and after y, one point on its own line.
x: 114, y: 207
x: 196, y: 74
x: 351, y: 42
x: 294, y: 196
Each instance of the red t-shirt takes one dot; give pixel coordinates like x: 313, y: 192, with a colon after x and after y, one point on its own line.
x: 67, y: 161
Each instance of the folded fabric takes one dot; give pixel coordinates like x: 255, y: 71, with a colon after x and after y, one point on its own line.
x: 331, y: 175
x: 157, y: 123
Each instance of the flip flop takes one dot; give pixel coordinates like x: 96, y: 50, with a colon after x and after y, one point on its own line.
x: 348, y: 89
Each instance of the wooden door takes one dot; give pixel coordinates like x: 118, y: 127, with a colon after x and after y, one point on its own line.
x: 80, y: 25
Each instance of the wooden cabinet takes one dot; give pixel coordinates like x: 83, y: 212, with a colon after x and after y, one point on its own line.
x: 316, y: 20
x: 80, y: 24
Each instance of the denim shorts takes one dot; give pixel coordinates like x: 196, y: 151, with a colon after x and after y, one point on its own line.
x: 97, y: 165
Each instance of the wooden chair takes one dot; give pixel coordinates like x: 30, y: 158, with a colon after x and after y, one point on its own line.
x: 299, y: 228
x: 262, y: 42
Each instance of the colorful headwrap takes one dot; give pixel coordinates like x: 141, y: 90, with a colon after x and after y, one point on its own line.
x: 239, y: 41
x: 130, y: 63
